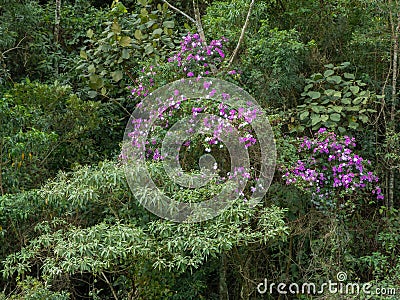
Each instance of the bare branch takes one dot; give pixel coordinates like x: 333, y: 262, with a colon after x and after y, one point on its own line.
x: 179, y: 11
x: 110, y: 285
x: 246, y: 23
x: 13, y: 48
x: 198, y: 23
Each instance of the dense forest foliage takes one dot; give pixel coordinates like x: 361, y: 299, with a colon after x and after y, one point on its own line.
x: 325, y: 73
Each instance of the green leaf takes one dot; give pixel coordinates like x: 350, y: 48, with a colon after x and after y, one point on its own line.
x: 149, y: 49
x: 354, y: 89
x: 315, y: 119
x: 304, y: 115
x: 341, y: 129
x: 117, y: 75
x: 89, y: 33
x: 91, y: 68
x: 363, y: 118
x: 92, y: 94
x: 337, y: 109
x: 142, y: 2
x: 125, y: 53
x: 335, y: 117
x: 314, y: 95
x: 353, y: 125
x: 168, y: 24
x: 138, y: 34
x: 158, y: 31
x: 357, y: 100
x: 116, y: 28
x: 328, y: 73
x: 95, y: 82
x: 329, y: 66
x: 334, y: 79
x: 83, y: 54
x: 125, y: 41
x: 349, y: 76
x: 308, y: 86
x: 346, y: 101
x: 324, y: 118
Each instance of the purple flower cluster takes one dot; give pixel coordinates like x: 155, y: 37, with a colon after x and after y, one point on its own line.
x: 195, y: 59
x: 330, y: 168
x: 144, y: 83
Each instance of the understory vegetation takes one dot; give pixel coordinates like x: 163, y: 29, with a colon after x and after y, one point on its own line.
x: 323, y: 73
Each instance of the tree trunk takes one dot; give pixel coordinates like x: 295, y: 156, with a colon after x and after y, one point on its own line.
x: 57, y: 30
x: 223, y: 287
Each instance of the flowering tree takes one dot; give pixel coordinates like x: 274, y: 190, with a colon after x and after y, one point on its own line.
x: 331, y: 171
x: 209, y: 128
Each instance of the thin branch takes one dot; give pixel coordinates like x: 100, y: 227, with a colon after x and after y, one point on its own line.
x: 179, y: 11
x: 198, y: 23
x: 109, y: 284
x: 246, y: 23
x: 13, y: 48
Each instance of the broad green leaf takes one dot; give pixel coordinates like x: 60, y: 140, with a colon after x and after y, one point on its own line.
x: 158, y: 31
x: 346, y: 101
x: 337, y: 94
x: 125, y: 41
x: 117, y: 75
x: 328, y: 73
x: 308, y: 86
x: 92, y: 94
x: 314, y: 95
x: 116, y: 28
x: 324, y: 118
x: 83, y: 54
x: 329, y: 66
x: 317, y: 76
x: 125, y: 53
x: 91, y: 68
x: 335, y: 117
x: 349, y: 76
x: 95, y: 82
x: 89, y: 33
x: 138, y: 34
x: 337, y: 109
x: 329, y: 92
x: 148, y: 49
x: 168, y: 24
x: 353, y: 125
x: 304, y: 115
x: 357, y: 100
x: 354, y: 89
x: 315, y: 119
x: 363, y: 118
x: 334, y: 79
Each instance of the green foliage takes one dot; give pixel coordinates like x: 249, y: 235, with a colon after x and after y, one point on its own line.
x: 335, y: 100
x: 45, y: 128
x: 273, y: 66
x: 117, y: 240
x: 126, y: 39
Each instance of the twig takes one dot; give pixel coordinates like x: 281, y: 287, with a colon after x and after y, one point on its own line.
x: 179, y: 11
x: 198, y: 23
x: 109, y: 284
x: 13, y: 48
x: 246, y: 23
